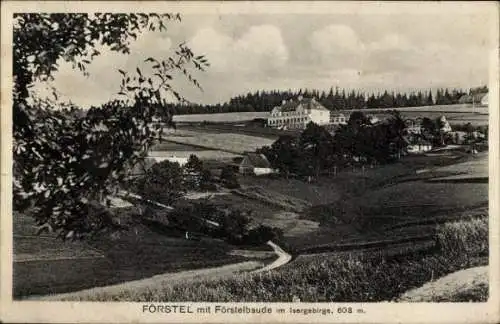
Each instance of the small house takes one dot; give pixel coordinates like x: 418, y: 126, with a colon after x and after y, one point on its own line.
x: 256, y: 164
x: 338, y: 119
x: 419, y: 146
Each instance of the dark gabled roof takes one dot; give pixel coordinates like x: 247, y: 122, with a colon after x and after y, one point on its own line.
x: 307, y: 103
x: 258, y: 160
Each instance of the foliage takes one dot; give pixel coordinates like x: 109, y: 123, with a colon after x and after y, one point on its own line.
x: 334, y: 99
x: 233, y: 225
x: 315, y: 145
x: 229, y: 178
x: 163, y: 183
x: 316, y: 150
x: 61, y: 161
x: 207, y: 180
x: 356, y: 277
x: 192, y: 171
x: 262, y: 234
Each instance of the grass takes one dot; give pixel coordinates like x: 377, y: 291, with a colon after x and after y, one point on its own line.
x: 364, y: 277
x: 232, y: 143
x: 391, y: 195
x: 203, y: 154
x: 170, y: 146
x: 273, y: 198
x: 221, y: 117
x: 52, y: 266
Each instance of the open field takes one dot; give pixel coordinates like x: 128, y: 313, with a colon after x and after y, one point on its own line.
x: 231, y: 143
x: 348, y: 277
x: 47, y: 266
x: 356, y: 206
x: 201, y: 154
x: 222, y: 117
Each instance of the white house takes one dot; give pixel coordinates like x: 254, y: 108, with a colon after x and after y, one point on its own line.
x: 338, y: 119
x: 419, y: 148
x: 256, y: 164
x: 298, y: 113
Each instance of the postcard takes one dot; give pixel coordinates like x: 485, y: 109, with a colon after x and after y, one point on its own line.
x: 253, y: 161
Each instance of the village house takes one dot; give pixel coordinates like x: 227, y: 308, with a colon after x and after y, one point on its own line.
x: 421, y: 146
x: 338, y: 119
x: 255, y: 164
x: 298, y: 113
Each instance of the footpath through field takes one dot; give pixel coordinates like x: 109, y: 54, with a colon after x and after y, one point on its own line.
x: 283, y: 258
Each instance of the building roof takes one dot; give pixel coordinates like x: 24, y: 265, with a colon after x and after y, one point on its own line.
x: 307, y: 103
x: 258, y: 160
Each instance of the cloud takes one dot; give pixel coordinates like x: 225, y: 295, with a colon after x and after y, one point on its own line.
x: 253, y: 52
x: 260, y: 48
x: 391, y: 41
x: 103, y: 81
x: 335, y: 39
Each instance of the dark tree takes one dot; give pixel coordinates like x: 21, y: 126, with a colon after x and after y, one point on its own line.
x: 163, y: 182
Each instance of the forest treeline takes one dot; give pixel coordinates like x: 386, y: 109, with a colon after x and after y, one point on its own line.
x: 334, y: 99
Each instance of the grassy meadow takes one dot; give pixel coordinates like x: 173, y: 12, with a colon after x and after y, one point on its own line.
x: 346, y: 277
x: 44, y: 265
x: 232, y: 143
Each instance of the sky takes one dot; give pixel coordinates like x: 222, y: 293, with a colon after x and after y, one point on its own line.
x: 266, y: 51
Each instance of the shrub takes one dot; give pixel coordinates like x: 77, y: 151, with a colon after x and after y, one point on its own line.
x: 262, y: 234
x: 229, y: 178
x: 163, y: 182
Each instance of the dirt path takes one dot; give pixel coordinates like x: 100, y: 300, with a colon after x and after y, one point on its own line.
x: 283, y: 258
x: 460, y: 286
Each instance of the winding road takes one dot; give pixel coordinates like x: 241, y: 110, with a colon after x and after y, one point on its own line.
x: 283, y: 258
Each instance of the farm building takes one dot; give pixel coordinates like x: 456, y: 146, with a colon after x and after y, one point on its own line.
x: 298, y: 113
x: 420, y: 147
x: 256, y: 164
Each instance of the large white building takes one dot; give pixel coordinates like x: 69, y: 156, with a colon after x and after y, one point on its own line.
x: 298, y: 113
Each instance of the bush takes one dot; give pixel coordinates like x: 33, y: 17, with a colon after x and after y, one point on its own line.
x: 163, y: 182
x: 229, y: 178
x: 262, y: 234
